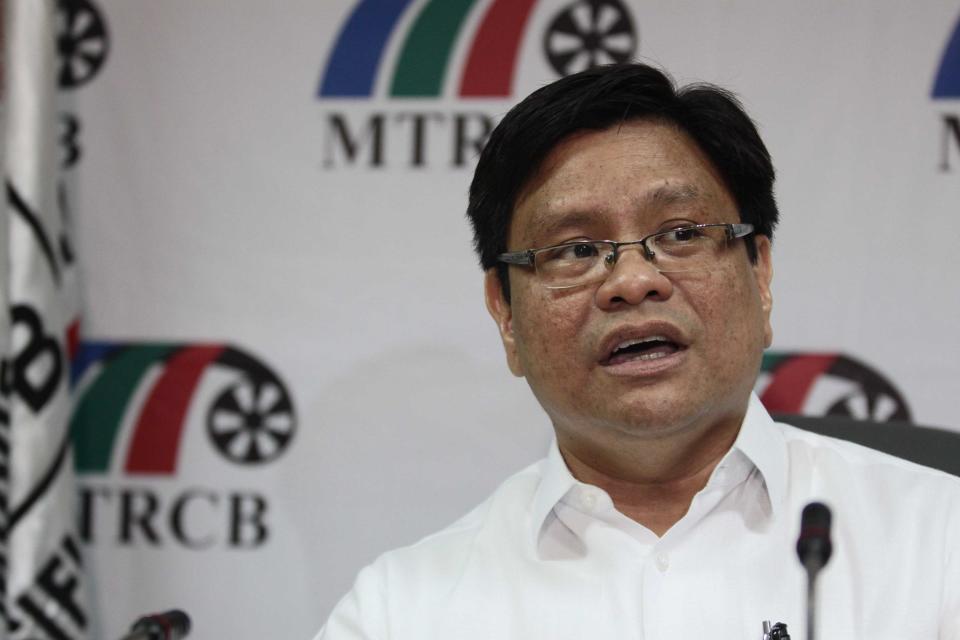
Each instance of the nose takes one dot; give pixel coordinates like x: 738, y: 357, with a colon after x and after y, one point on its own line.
x: 632, y: 280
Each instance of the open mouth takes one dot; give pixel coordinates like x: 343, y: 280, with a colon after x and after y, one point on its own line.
x: 649, y: 348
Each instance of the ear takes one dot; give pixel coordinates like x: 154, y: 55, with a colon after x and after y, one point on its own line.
x: 502, y: 313
x: 763, y: 271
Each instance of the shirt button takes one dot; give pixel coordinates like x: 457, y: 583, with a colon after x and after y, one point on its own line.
x: 588, y: 499
x: 662, y: 562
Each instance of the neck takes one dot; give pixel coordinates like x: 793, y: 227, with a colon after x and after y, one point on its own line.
x: 652, y: 480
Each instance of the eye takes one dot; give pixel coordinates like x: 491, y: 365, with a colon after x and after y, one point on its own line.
x: 682, y: 235
x: 687, y: 241
x: 583, y: 250
x: 571, y: 252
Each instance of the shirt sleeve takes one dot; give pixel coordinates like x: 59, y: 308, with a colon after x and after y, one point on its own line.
x: 360, y: 615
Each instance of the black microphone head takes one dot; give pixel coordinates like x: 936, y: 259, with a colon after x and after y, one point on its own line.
x: 179, y: 621
x: 169, y: 625
x: 813, y: 545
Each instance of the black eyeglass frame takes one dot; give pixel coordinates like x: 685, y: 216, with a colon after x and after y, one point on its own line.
x: 527, y: 257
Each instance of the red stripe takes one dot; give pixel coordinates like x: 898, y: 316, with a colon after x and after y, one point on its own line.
x: 73, y: 339
x: 156, y: 438
x: 493, y: 54
x: 792, y: 381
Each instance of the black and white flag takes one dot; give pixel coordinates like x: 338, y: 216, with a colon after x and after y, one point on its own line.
x: 41, y: 581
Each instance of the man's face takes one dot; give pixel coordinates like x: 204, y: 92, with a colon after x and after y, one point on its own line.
x: 710, y: 327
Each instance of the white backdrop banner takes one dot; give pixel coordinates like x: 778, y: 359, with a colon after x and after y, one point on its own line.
x: 286, y: 364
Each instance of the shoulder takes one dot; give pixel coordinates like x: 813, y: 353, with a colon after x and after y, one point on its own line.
x: 838, y: 467
x: 806, y: 445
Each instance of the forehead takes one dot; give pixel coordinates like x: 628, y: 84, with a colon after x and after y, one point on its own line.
x: 627, y: 174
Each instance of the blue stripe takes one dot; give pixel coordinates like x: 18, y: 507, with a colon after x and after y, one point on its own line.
x: 352, y: 67
x: 947, y: 84
x: 87, y: 354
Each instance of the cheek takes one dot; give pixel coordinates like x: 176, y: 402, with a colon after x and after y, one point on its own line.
x: 733, y: 319
x: 728, y: 305
x: 548, y: 337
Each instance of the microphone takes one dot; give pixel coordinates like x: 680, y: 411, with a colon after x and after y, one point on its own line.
x: 169, y: 625
x: 814, y: 549
x: 814, y: 546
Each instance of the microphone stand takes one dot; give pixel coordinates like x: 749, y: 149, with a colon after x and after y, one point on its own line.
x: 811, y: 606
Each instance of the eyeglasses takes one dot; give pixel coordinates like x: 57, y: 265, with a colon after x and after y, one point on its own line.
x: 572, y: 264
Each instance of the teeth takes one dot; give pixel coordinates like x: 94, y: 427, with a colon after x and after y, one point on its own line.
x: 629, y: 343
x: 651, y: 356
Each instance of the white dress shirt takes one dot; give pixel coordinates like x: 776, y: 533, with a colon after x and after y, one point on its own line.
x: 547, y: 556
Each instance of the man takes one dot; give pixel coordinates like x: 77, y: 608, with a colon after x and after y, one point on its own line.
x: 625, y: 229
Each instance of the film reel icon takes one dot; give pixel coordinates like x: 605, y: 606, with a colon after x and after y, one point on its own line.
x: 82, y: 42
x: 252, y: 420
x: 588, y: 33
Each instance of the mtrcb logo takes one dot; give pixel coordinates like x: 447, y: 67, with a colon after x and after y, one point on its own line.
x: 136, y: 405
x: 581, y: 34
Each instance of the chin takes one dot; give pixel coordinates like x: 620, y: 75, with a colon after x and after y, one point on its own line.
x: 664, y: 413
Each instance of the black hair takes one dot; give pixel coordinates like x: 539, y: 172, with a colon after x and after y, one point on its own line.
x: 596, y: 99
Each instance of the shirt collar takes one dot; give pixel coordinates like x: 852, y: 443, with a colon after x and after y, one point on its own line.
x: 762, y: 442
x: 555, y: 481
x: 759, y: 440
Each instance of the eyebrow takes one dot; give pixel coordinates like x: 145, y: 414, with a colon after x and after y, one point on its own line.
x: 548, y: 225
x: 671, y: 194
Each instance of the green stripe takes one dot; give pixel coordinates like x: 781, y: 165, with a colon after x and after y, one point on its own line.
x: 423, y: 59
x: 99, y: 413
x: 771, y: 359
